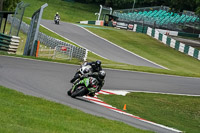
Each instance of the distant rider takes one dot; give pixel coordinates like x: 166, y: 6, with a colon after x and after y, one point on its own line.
x: 57, y: 15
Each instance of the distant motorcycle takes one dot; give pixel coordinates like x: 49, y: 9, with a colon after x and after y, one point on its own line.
x: 57, y: 20
x: 86, y: 86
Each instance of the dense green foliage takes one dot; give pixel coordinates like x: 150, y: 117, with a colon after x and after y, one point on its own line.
x: 177, y: 5
x: 198, y: 7
x: 10, y: 5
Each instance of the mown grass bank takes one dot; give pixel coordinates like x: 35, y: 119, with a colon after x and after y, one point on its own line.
x: 153, y: 50
x: 179, y: 112
x: 69, y: 11
x: 23, y: 113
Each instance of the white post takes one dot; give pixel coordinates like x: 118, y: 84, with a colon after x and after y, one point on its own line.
x: 86, y: 54
x: 110, y: 10
x: 100, y: 12
x: 72, y: 48
x: 54, y: 54
x: 133, y: 5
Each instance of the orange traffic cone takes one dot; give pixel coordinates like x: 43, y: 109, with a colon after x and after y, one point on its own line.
x: 124, y: 107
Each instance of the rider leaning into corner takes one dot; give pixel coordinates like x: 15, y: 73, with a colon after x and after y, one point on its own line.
x: 96, y: 72
x: 96, y: 67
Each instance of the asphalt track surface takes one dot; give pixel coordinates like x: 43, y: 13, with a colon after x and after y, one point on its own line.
x: 51, y: 81
x: 97, y: 45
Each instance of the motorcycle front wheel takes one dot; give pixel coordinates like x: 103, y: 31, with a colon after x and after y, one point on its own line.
x: 69, y: 92
x: 80, y: 91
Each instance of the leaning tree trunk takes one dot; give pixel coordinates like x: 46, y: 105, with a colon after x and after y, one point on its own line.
x: 1, y: 5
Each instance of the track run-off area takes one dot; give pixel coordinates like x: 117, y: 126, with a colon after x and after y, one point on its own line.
x: 51, y: 81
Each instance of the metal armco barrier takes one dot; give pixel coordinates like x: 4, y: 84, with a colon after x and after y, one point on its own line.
x: 9, y: 43
x: 100, y: 22
x: 178, y: 33
x: 77, y: 52
x: 122, y: 25
x: 62, y: 51
x: 46, y: 52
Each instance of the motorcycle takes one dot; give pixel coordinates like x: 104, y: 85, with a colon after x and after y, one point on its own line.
x: 57, y: 20
x: 86, y: 86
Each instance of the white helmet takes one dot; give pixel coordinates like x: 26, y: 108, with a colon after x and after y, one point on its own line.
x: 102, y: 74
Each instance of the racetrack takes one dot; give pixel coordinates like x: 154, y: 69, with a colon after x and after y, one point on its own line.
x: 97, y: 45
x: 50, y: 80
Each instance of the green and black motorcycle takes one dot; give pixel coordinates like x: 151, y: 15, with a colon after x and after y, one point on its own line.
x: 86, y: 86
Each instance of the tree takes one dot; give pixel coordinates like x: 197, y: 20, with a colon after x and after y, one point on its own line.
x: 178, y: 5
x: 198, y: 7
x: 1, y: 5
x: 10, y: 5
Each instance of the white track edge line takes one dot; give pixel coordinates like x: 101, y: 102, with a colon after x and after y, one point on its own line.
x: 105, y: 68
x: 156, y: 92
x: 152, y: 73
x: 122, y: 48
x: 70, y: 40
x: 128, y: 114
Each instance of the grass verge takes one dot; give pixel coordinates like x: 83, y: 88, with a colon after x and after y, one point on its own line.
x: 73, y: 61
x: 69, y: 11
x: 23, y: 113
x: 180, y: 112
x: 21, y: 46
x: 151, y: 49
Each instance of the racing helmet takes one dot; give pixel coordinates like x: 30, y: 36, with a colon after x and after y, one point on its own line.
x: 102, y: 74
x: 86, y: 70
x: 98, y: 63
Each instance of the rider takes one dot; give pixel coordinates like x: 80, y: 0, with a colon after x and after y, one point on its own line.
x: 96, y: 67
x: 57, y: 15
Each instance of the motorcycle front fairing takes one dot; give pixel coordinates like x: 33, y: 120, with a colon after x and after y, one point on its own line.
x: 86, y: 83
